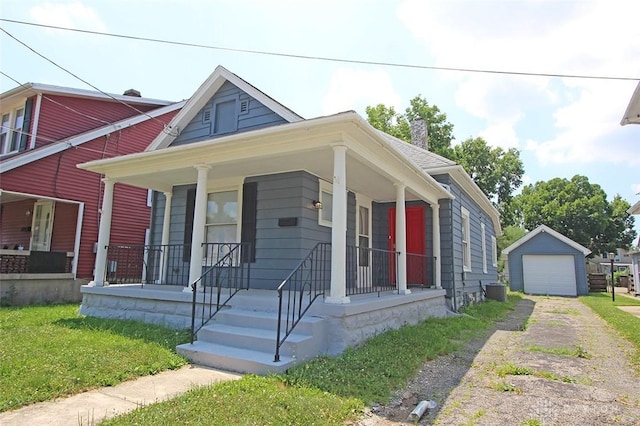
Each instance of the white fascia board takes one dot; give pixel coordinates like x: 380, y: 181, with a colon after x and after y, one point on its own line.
x: 202, y: 95
x: 348, y: 126
x: 56, y: 147
x: 29, y: 89
x: 635, y: 209
x: 632, y: 114
x: 546, y: 229
x: 40, y: 197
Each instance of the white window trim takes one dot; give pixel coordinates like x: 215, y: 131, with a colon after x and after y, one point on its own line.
x: 12, y: 130
x: 484, y: 248
x: 494, y: 251
x: 324, y: 187
x: 466, y: 255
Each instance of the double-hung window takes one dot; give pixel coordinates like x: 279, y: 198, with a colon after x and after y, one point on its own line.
x: 222, y: 224
x: 466, y: 239
x: 484, y: 247
x: 325, y: 214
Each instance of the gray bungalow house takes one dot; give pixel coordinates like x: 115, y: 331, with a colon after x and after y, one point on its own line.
x: 278, y: 238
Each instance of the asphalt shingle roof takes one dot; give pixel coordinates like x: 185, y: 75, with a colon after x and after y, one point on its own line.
x: 420, y: 157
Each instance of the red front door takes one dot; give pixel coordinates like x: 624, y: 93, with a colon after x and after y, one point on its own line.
x: 415, y: 220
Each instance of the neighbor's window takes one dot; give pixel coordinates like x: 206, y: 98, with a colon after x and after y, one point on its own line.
x: 494, y: 251
x: 11, y: 131
x: 484, y: 248
x: 466, y: 240
x: 325, y: 196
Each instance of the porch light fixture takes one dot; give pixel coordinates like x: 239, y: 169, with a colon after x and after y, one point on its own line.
x: 316, y: 204
x: 612, y: 256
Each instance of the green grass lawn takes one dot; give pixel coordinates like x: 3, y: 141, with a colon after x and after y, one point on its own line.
x: 327, y: 390
x: 51, y: 351
x: 626, y: 324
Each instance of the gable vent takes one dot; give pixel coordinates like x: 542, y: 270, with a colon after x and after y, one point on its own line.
x: 244, y: 106
x: 206, y: 116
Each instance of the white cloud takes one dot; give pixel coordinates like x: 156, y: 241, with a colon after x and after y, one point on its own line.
x: 356, y: 89
x: 502, y: 135
x: 70, y: 15
x: 563, y: 120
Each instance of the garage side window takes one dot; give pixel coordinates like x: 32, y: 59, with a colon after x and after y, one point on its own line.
x: 466, y: 239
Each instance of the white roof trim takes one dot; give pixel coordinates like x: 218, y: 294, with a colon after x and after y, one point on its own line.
x: 27, y: 89
x: 461, y: 177
x: 28, y: 157
x: 632, y: 114
x: 202, y: 96
x: 635, y: 209
x: 555, y: 234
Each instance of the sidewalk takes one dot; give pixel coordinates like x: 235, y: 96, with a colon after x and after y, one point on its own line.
x: 91, y: 407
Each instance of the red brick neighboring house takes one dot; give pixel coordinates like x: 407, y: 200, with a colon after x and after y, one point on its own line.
x: 49, y: 209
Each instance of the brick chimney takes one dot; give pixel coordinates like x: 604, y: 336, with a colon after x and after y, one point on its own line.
x: 132, y: 92
x: 419, y: 134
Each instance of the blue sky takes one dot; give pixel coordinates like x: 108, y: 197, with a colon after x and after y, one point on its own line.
x: 562, y: 126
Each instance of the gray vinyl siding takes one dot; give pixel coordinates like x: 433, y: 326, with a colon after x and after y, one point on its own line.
x: 453, y: 274
x: 256, y: 117
x: 545, y: 244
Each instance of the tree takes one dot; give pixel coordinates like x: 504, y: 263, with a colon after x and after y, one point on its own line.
x: 578, y: 209
x: 496, y: 171
x: 399, y: 125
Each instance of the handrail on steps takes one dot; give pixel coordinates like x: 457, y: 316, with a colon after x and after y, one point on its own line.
x: 232, y: 263
x: 310, y: 277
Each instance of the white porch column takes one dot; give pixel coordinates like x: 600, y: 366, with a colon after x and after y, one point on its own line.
x: 636, y: 274
x: 199, y: 222
x: 104, y: 233
x: 401, y: 238
x: 76, y: 244
x: 435, y: 210
x: 338, y: 291
x: 166, y: 221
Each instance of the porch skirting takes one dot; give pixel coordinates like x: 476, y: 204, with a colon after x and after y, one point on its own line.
x: 368, y: 315
x: 346, y: 324
x: 33, y: 289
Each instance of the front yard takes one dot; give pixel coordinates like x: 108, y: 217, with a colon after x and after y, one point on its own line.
x: 48, y: 352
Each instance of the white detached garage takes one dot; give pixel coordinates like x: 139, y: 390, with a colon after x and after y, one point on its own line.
x: 546, y: 262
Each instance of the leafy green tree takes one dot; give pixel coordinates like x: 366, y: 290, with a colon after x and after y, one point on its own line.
x: 496, y: 171
x: 399, y: 125
x: 578, y: 209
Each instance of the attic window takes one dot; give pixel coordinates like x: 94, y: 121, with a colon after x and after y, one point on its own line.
x: 206, y: 116
x: 244, y: 106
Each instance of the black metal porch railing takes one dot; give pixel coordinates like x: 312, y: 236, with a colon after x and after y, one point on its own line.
x: 157, y: 264
x: 370, y: 270
x: 421, y: 270
x: 227, y: 275
x: 308, y: 281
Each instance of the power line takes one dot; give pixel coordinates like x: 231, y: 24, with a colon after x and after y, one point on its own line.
x: 326, y: 58
x: 166, y: 127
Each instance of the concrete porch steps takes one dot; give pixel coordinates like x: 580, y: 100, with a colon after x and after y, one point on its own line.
x: 244, y: 341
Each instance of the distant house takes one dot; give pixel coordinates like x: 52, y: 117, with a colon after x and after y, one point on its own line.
x: 328, y: 214
x: 49, y: 207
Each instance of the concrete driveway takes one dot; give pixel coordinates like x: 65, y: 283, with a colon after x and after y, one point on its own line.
x: 551, y: 362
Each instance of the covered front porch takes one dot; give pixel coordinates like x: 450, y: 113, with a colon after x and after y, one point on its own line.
x: 315, y: 219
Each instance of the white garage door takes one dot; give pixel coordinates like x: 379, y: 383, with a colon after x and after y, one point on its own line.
x: 549, y: 274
